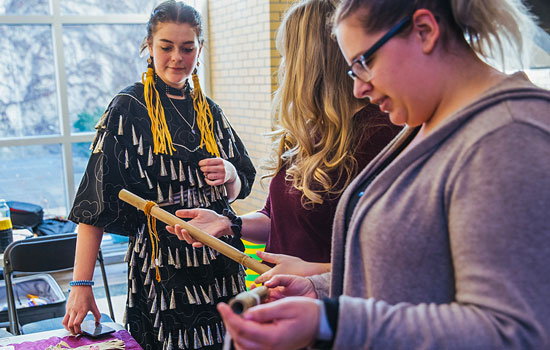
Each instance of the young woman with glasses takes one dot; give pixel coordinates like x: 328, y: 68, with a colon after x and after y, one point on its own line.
x: 442, y: 241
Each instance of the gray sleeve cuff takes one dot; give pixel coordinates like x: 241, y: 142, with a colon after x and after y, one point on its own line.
x: 321, y: 284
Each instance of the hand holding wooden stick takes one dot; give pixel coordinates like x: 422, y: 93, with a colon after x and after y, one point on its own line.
x: 211, y: 241
x: 245, y: 300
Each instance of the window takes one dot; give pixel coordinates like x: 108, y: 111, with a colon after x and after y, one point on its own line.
x: 63, y: 61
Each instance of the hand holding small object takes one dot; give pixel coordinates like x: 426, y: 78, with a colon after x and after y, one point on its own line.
x: 217, y: 171
x: 284, y: 324
x: 245, y: 300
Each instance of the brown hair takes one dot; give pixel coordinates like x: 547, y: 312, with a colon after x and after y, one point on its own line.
x: 173, y: 12
x: 314, y: 105
x: 492, y: 28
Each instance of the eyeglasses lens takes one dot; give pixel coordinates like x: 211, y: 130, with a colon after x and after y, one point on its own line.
x: 358, y: 70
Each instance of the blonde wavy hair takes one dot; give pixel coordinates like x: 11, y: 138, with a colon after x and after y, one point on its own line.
x: 313, y: 106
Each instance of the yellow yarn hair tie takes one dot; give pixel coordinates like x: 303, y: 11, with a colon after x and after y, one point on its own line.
x: 205, y: 121
x: 153, y: 235
x: 162, y: 141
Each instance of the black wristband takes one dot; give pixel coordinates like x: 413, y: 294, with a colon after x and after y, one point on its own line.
x: 331, y: 309
x: 236, y: 222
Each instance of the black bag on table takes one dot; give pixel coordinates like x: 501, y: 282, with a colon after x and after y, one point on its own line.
x: 55, y: 226
x: 25, y: 215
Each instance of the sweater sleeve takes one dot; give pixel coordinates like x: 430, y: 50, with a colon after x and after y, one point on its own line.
x: 321, y: 284
x: 497, y: 214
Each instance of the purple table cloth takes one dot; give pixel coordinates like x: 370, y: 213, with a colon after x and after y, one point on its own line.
x: 76, y: 341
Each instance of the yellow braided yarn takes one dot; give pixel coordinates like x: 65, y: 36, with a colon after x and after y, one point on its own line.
x: 153, y: 235
x: 162, y: 140
x: 205, y: 121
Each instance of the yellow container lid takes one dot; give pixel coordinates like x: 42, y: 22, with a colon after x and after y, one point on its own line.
x: 5, y: 223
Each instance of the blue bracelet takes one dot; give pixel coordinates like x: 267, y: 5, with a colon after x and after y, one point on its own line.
x: 81, y: 283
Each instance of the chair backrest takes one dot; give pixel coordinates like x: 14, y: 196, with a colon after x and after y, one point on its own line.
x: 40, y: 254
x: 37, y: 255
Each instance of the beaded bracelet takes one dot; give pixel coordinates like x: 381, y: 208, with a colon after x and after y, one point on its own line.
x: 81, y: 283
x: 236, y: 222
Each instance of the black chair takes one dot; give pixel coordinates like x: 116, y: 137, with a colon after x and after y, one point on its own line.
x: 41, y: 255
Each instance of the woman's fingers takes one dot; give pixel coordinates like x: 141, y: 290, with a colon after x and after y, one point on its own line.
x: 266, y: 276
x: 215, y: 182
x: 65, y: 321
x: 96, y: 313
x: 187, y: 213
x: 74, y: 321
x: 269, y: 257
x: 217, y: 171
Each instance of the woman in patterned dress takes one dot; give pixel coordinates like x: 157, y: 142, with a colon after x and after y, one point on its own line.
x: 179, y: 156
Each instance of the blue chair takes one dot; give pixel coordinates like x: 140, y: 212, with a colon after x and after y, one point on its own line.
x: 42, y: 255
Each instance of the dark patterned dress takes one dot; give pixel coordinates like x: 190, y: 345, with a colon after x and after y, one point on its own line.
x: 179, y: 311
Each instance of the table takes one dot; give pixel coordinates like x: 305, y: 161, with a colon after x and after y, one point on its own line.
x: 38, y: 340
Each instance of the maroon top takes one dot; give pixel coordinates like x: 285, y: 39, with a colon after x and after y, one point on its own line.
x: 307, y: 233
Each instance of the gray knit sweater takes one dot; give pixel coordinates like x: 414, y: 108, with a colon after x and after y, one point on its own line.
x: 449, y: 248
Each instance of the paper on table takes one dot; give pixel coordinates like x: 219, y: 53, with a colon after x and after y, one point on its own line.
x: 19, y: 234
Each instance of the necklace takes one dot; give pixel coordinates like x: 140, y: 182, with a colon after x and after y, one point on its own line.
x: 185, y: 120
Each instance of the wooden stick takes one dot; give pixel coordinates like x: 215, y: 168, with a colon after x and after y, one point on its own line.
x: 245, y: 300
x: 201, y: 236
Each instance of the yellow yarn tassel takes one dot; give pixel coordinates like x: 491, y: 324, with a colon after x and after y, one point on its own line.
x: 153, y: 235
x: 205, y: 121
x: 162, y: 141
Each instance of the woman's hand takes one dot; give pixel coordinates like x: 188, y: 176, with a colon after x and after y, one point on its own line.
x: 204, y: 219
x: 81, y: 300
x: 289, y: 265
x: 283, y: 286
x: 291, y: 323
x: 217, y: 171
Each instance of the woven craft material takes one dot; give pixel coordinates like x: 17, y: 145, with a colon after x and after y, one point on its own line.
x: 113, y: 344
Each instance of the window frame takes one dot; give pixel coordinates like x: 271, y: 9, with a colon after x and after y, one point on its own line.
x: 66, y: 138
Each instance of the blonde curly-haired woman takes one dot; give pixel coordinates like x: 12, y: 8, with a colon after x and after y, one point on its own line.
x: 326, y: 137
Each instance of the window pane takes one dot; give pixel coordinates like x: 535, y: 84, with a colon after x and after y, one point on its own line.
x: 27, y: 89
x: 100, y: 61
x: 24, y: 7
x: 102, y: 7
x: 81, y: 154
x: 34, y: 174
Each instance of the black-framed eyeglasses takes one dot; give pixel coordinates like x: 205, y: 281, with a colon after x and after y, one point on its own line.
x: 359, y: 68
